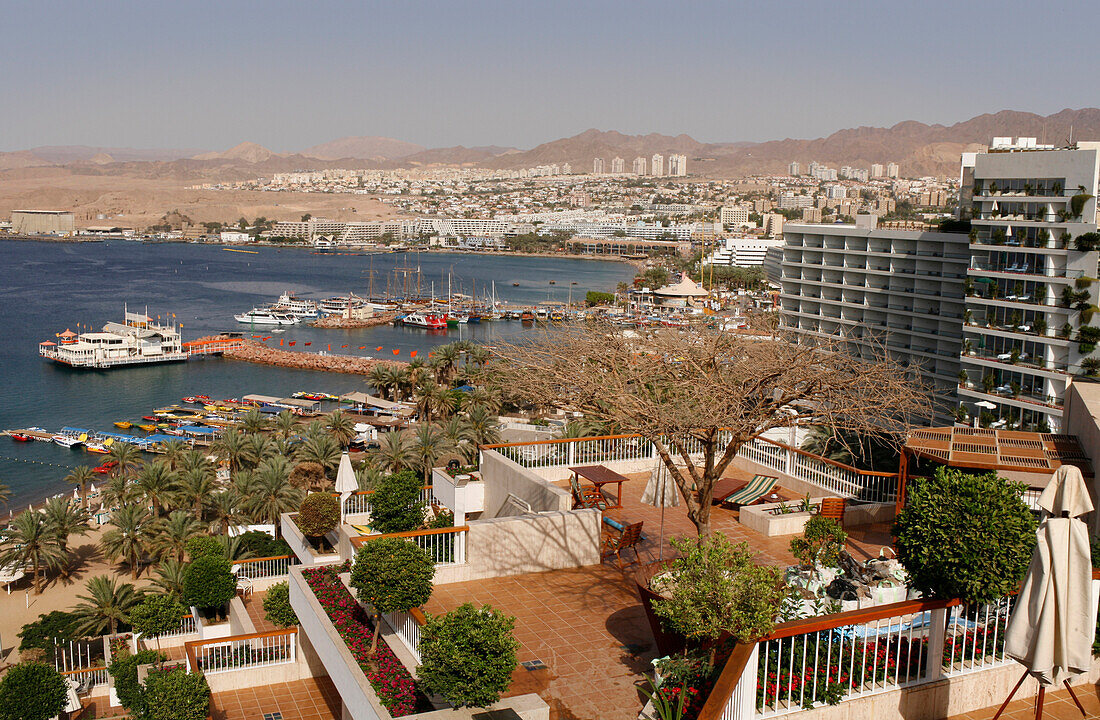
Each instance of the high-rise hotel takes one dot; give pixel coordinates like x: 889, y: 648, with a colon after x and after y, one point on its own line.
x: 997, y: 322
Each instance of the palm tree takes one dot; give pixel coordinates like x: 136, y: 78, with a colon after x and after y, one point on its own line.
x: 169, y: 579
x: 271, y: 495
x: 315, y: 428
x: 232, y: 548
x: 394, y: 452
x: 285, y: 423
x: 283, y: 446
x: 379, y: 378
x: 196, y: 488
x: 457, y: 431
x: 30, y: 542
x: 445, y: 362
x: 368, y: 476
x: 126, y: 457
x: 158, y: 483
x: 225, y: 510
x: 230, y: 446
x: 254, y: 421
x: 322, y: 450
x: 484, y: 425
x: 118, y: 491
x: 478, y: 355
x: 342, y: 427
x: 170, y: 534
x: 397, y: 380
x: 129, y: 538
x: 5, y: 494
x: 81, y: 476
x: 105, y: 606
x: 174, y: 451
x: 64, y: 519
x: 578, y: 429
x: 256, y: 448
x: 429, y: 444
x: 194, y: 460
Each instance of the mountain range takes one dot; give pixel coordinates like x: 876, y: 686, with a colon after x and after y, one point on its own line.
x: 919, y: 148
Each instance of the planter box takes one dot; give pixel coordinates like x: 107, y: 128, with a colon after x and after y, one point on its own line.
x: 766, y: 520
x: 210, y: 630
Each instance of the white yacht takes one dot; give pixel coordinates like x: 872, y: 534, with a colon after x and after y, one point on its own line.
x: 340, y: 304
x: 289, y: 304
x: 264, y: 316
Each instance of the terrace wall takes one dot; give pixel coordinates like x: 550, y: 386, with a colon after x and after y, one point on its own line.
x: 307, y: 664
x: 503, y: 476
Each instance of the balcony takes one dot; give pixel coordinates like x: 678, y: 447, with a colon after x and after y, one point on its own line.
x: 1022, y: 269
x: 1004, y: 393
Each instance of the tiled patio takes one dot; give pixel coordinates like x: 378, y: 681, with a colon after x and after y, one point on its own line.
x: 254, y: 604
x: 312, y: 699
x: 1058, y: 706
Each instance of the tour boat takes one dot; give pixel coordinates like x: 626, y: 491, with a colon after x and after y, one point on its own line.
x: 527, y: 316
x: 261, y: 316
x: 295, y: 307
x: 339, y: 304
x: 137, y: 340
x: 429, y: 320
x: 95, y: 447
x: 67, y: 440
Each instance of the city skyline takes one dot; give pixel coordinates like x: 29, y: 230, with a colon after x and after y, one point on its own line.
x: 488, y: 73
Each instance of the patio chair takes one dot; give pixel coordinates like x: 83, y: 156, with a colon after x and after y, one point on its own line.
x: 757, y: 488
x: 586, y: 497
x: 628, y: 539
x: 832, y: 507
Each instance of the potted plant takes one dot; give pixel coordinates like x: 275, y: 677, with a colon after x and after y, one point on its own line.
x: 963, y: 377
x: 467, y: 656
x: 818, y: 550
x: 208, y: 586
x: 318, y: 515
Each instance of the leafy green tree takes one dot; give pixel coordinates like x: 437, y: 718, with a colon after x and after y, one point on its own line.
x: 277, y: 608
x: 392, y: 574
x: 821, y: 542
x: 175, y: 694
x: 32, y: 691
x: 395, y: 503
x: 318, y: 515
x: 208, y: 583
x: 202, y: 546
x: 715, y: 588
x: 107, y: 605
x: 123, y: 669
x: 42, y: 632
x: 593, y: 298
x: 468, y: 655
x: 30, y: 541
x: 964, y: 535
x: 157, y: 615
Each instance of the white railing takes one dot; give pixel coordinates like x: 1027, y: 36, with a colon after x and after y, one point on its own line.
x: 358, y: 503
x: 975, y: 637
x: 269, y: 567
x: 244, y: 651
x: 88, y: 678
x: 407, y: 628
x: 447, y: 546
x: 836, y: 478
x: 77, y: 654
x: 186, y: 627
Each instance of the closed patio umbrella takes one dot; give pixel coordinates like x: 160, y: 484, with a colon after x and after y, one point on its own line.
x: 346, y: 483
x: 1051, y: 628
x: 660, y: 491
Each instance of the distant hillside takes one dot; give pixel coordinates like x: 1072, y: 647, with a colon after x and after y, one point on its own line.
x: 65, y: 154
x: 248, y: 152
x: 579, y: 150
x: 457, y: 155
x: 363, y: 148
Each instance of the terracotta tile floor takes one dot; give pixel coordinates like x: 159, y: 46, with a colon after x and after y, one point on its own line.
x: 1058, y: 706
x: 254, y: 603
x: 312, y: 699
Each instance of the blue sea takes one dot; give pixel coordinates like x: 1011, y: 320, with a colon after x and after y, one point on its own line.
x: 46, y: 288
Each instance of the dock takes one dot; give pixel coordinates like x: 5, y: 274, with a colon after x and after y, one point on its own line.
x: 36, y: 434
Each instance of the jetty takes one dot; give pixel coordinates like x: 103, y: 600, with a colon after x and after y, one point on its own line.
x: 254, y: 352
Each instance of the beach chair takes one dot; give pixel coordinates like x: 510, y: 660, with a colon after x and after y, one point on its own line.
x: 756, y: 488
x: 586, y: 497
x: 628, y: 539
x: 832, y: 507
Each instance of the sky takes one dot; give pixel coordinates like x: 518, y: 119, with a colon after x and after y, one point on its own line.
x: 288, y: 75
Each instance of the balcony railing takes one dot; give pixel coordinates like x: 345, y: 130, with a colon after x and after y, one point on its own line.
x: 1025, y: 269
x: 358, y: 503
x: 88, y: 678
x: 269, y: 567
x: 407, y: 626
x: 186, y: 627
x: 447, y: 546
x: 278, y: 647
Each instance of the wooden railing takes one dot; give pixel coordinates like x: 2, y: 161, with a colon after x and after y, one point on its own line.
x: 447, y: 546
x: 89, y: 678
x: 238, y: 652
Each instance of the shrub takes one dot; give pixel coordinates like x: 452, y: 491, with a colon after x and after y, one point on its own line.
x: 175, y: 694
x: 208, y: 583
x: 318, y: 515
x: 965, y: 536
x: 203, y: 546
x: 124, y: 670
x: 1087, y: 241
x: 157, y: 615
x: 41, y: 632
x: 277, y: 608
x: 821, y: 542
x: 395, y: 503
x: 593, y: 297
x: 32, y: 691
x: 392, y: 574
x: 257, y: 543
x: 715, y: 587
x: 468, y: 655
x: 444, y: 519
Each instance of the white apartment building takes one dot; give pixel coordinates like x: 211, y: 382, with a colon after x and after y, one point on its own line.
x: 1030, y: 286
x: 742, y: 252
x: 657, y: 165
x: 891, y: 170
x: 877, y: 170
x: 597, y: 166
x: 836, y: 192
x: 772, y: 224
x: 794, y: 169
x: 677, y: 165
x: 648, y: 231
x: 462, y: 227
x: 307, y: 228
x: 735, y: 215
x: 638, y: 166
x: 617, y: 164
x: 790, y: 201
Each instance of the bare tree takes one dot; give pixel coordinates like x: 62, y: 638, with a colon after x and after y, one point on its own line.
x: 710, y: 390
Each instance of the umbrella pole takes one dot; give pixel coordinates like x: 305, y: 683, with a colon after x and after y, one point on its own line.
x: 1075, y: 700
x: 1010, y: 696
x: 661, y: 544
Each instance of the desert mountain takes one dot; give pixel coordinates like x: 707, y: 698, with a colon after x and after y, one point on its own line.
x: 457, y: 155
x: 363, y: 148
x: 579, y: 150
x: 248, y: 152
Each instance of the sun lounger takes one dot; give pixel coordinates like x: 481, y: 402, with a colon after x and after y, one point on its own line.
x: 756, y: 488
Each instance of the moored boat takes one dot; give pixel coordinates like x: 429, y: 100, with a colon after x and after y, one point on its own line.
x: 124, y: 424
x: 262, y: 316
x: 20, y: 437
x: 428, y: 320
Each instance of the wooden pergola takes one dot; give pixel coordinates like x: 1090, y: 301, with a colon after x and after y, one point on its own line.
x: 1002, y: 451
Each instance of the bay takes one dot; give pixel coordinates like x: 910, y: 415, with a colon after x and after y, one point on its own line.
x: 46, y: 288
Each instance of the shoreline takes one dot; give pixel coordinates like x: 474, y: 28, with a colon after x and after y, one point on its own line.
x: 260, y: 354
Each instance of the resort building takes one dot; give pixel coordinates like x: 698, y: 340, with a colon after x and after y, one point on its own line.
x: 742, y: 252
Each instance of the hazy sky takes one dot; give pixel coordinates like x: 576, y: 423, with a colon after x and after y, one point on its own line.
x: 293, y: 74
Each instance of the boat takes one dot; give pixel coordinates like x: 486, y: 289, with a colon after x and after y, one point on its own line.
x: 515, y: 284
x: 96, y: 447
x: 262, y: 316
x: 557, y: 316
x: 429, y: 320
x: 527, y: 316
x: 295, y: 307
x: 20, y: 437
x: 148, y: 427
x: 340, y: 304
x: 137, y: 340
x: 150, y: 418
x: 553, y: 282
x: 124, y: 424
x: 105, y: 468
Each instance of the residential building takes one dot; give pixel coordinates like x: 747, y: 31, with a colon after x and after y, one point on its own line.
x: 736, y: 216
x: 761, y: 206
x: 1028, y: 281
x: 597, y: 166
x: 742, y: 252
x: 794, y: 169
x: 657, y: 165
x: 42, y: 222
x: 677, y: 165
x: 811, y: 214
x: 772, y: 224
x: 877, y: 170
x: 836, y: 192
x: 617, y: 165
x: 638, y: 166
x: 891, y: 170
x: 790, y: 201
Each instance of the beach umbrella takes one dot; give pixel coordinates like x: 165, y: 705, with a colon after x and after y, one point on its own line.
x: 661, y: 492
x: 346, y: 483
x: 1050, y: 631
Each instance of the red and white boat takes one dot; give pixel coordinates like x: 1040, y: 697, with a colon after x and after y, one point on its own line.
x: 429, y: 320
x: 20, y: 437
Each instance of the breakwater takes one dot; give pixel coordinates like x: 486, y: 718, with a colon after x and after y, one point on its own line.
x: 255, y: 352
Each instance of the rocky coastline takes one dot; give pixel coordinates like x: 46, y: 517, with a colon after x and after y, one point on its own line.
x: 256, y: 352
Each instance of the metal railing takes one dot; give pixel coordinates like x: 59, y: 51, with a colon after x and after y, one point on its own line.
x: 269, y: 567
x: 447, y: 546
x: 186, y: 627
x: 88, y: 678
x: 358, y: 503
x: 277, y: 647
x: 407, y: 626
x: 975, y: 638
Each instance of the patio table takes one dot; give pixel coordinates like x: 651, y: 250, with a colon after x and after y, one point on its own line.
x: 600, y: 475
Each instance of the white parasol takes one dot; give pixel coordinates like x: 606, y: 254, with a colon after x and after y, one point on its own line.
x: 1051, y: 628
x: 346, y: 483
x: 661, y: 492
